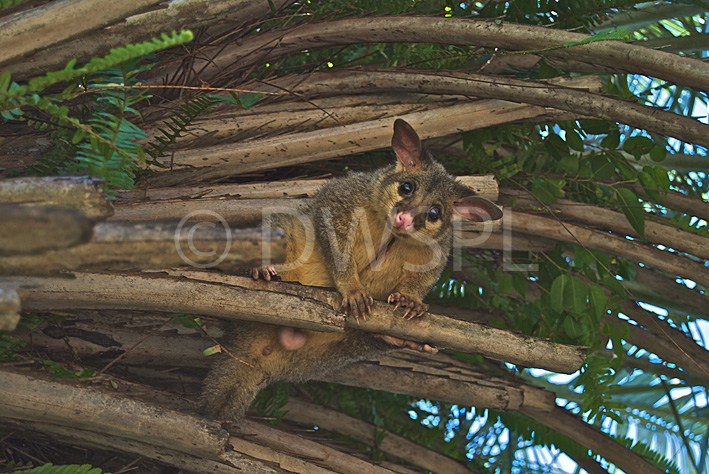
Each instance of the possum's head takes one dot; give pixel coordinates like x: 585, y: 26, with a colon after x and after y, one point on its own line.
x: 423, y: 196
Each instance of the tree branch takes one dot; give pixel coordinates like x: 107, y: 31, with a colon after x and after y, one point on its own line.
x: 622, y: 57
x: 288, y: 450
x: 690, y: 205
x: 634, y: 250
x: 34, y: 398
x: 668, y: 343
x: 174, y: 294
x: 562, y: 96
x: 656, y: 288
x: 96, y: 419
x: 310, y: 414
x: 227, y: 160
x: 616, y: 222
x: 438, y: 379
x: 136, y: 28
x: 147, y: 245
x: 285, y: 114
x: 33, y: 230
x: 77, y: 192
x: 588, y: 436
x: 484, y: 185
x: 53, y: 23
x: 233, y: 297
x: 150, y: 349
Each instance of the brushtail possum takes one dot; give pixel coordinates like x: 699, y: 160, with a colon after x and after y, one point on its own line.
x: 381, y: 235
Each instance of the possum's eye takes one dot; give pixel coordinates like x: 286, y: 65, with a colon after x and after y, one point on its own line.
x: 406, y: 188
x: 434, y: 213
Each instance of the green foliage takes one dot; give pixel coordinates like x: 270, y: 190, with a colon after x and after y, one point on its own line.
x: 98, y: 137
x: 188, y: 116
x: 61, y: 372
x: 10, y: 344
x: 104, y: 142
x: 189, y: 322
x: 526, y: 430
x: 11, y: 3
x: 629, y: 203
x: 648, y: 453
x: 565, y: 15
x: 69, y: 73
x: 269, y: 402
x: 67, y: 469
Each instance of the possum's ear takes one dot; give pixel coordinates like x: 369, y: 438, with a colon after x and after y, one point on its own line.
x: 407, y: 146
x: 476, y: 209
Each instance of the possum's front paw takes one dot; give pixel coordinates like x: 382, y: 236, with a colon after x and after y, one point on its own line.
x: 357, y: 303
x: 268, y: 273
x: 412, y: 307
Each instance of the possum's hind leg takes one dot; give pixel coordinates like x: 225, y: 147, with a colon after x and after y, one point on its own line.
x: 230, y: 388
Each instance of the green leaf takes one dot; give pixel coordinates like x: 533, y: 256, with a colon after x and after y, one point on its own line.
x: 555, y: 146
x: 573, y: 327
x: 541, y: 190
x: 658, y: 153
x: 631, y: 207
x: 616, y: 339
x: 602, y: 264
x: 647, y: 179
x: 573, y: 139
x: 614, y: 285
x: 557, y: 292
x: 638, y: 145
x: 570, y: 165
x: 597, y: 299
x: 86, y: 373
x: 79, y: 135
x: 212, y: 350
x: 624, y: 169
x: 609, y: 35
x: 548, y: 189
x: 60, y: 469
x: 612, y: 140
x: 602, y: 167
x: 546, y: 71
x: 505, y: 284
x: 595, y: 126
x: 661, y: 177
x: 575, y: 295
x: 520, y: 283
x: 4, y: 81
x: 582, y: 257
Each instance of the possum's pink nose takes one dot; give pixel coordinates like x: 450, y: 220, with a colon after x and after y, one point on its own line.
x: 404, y: 222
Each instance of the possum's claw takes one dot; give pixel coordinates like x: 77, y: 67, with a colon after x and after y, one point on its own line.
x: 412, y: 307
x: 357, y: 303
x: 267, y: 273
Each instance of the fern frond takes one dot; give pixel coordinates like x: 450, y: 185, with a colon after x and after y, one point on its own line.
x: 190, y: 112
x: 648, y: 453
x: 178, y: 124
x: 67, y: 469
x: 100, y: 140
x: 112, y: 59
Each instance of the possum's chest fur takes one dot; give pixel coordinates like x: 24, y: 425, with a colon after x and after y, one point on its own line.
x: 402, y: 258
